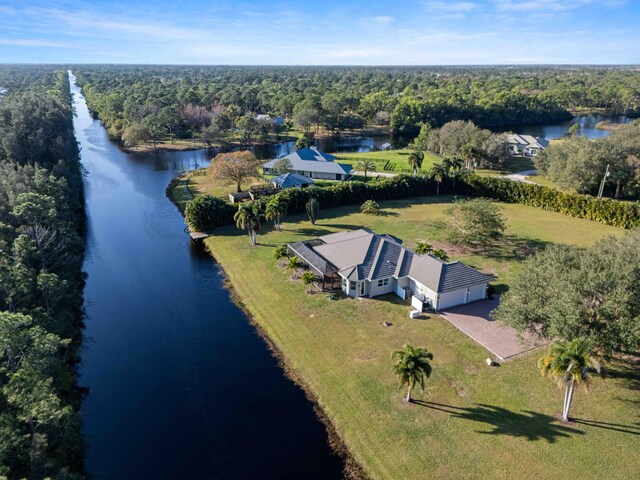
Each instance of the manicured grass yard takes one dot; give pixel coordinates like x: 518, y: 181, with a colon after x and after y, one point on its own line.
x: 472, y: 421
x: 399, y: 157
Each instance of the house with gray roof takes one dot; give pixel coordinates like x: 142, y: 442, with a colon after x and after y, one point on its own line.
x: 365, y: 263
x: 291, y: 180
x: 527, y: 145
x: 313, y: 163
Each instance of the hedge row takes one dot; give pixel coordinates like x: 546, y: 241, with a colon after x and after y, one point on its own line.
x: 603, y: 210
x: 211, y: 213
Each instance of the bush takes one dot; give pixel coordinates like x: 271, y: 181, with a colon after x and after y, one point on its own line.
x: 477, y: 222
x: 206, y: 212
x: 370, y: 207
x: 281, y: 251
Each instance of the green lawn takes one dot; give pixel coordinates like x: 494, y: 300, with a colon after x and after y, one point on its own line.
x: 472, y: 422
x: 399, y: 157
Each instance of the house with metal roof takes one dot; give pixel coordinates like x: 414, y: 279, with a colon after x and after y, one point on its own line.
x: 291, y: 180
x: 365, y: 263
x: 526, y: 144
x: 313, y: 163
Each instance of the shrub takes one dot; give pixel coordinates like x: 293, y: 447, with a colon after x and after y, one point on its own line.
x: 423, y: 248
x: 370, y: 207
x: 475, y: 222
x: 206, y: 212
x: 295, y: 263
x: 281, y: 251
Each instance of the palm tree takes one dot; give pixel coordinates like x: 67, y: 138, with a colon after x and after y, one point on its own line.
x: 468, y: 153
x: 308, y: 278
x: 415, y: 160
x: 423, y: 248
x: 249, y: 217
x: 568, y: 362
x: 438, y: 172
x: 366, y: 166
x: 276, y: 209
x: 441, y: 254
x: 412, y: 366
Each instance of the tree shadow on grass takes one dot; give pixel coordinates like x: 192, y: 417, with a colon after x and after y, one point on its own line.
x: 529, y: 425
x: 627, y: 373
x: 513, y: 247
x: 618, y: 427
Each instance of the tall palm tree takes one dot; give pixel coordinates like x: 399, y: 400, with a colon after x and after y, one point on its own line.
x: 249, y: 217
x: 275, y: 209
x: 468, y: 153
x: 412, y: 366
x: 415, y: 160
x: 366, y: 166
x: 568, y: 362
x: 438, y: 172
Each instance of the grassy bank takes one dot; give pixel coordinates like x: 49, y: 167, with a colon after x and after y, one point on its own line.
x: 398, y: 157
x: 472, y: 422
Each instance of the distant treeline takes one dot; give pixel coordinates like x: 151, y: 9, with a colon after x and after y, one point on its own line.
x: 42, y: 225
x: 208, y: 102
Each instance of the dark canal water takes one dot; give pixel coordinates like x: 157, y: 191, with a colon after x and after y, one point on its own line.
x: 180, y: 385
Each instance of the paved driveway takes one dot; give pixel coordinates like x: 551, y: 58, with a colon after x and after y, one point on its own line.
x: 473, y: 319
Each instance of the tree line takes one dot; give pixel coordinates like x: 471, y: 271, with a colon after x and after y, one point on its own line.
x: 41, y: 251
x: 149, y: 103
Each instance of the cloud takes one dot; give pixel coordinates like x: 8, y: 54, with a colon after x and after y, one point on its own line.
x: 384, y: 19
x: 452, y: 7
x: 550, y: 5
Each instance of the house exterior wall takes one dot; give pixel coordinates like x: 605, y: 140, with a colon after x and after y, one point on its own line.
x: 419, y: 290
x: 375, y: 289
x: 478, y: 292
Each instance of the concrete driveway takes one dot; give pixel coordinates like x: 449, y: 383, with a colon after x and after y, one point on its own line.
x: 473, y: 319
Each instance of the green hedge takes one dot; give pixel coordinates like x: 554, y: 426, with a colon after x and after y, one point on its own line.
x: 603, y: 210
x: 207, y: 213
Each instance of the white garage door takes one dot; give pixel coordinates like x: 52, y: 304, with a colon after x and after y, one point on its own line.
x: 477, y: 292
x: 451, y: 299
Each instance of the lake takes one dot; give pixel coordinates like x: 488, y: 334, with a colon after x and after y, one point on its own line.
x: 180, y: 384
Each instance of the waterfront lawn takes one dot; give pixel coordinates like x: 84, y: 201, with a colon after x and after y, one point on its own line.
x: 472, y: 422
x: 399, y: 157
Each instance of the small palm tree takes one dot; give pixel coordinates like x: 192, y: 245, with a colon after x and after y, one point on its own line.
x: 423, y: 248
x: 276, y: 209
x: 412, y: 367
x: 249, y: 217
x: 441, y: 254
x: 366, y: 166
x: 415, y: 160
x: 568, y: 363
x: 370, y: 207
x: 438, y: 172
x: 308, y: 278
x: 294, y: 263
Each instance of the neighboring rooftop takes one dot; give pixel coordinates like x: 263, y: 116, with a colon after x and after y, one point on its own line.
x: 291, y: 180
x: 311, y: 159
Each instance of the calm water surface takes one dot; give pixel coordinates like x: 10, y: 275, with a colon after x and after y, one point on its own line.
x: 180, y: 385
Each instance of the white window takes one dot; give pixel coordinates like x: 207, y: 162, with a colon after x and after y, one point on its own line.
x: 352, y: 285
x: 383, y: 282
x: 344, y: 282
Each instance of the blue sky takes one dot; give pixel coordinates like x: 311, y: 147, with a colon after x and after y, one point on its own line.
x: 346, y: 32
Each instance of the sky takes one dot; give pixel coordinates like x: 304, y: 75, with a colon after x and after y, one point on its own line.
x: 321, y: 32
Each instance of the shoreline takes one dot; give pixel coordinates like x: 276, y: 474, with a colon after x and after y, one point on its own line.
x: 352, y: 469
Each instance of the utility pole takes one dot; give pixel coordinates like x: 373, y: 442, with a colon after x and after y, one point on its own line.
x: 604, y: 179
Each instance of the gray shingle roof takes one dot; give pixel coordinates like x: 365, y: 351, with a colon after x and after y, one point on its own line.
x: 291, y: 180
x: 457, y: 275
x: 362, y: 254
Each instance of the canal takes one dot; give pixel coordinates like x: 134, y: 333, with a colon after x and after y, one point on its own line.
x: 180, y: 384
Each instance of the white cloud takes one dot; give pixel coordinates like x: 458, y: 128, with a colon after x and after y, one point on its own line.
x: 459, y: 7
x: 384, y: 19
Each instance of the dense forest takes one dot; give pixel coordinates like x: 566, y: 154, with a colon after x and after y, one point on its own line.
x: 42, y: 225
x: 148, y: 103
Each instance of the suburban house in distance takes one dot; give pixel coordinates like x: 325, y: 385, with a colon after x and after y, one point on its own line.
x: 312, y: 163
x: 364, y: 263
x: 526, y: 144
x: 291, y: 180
